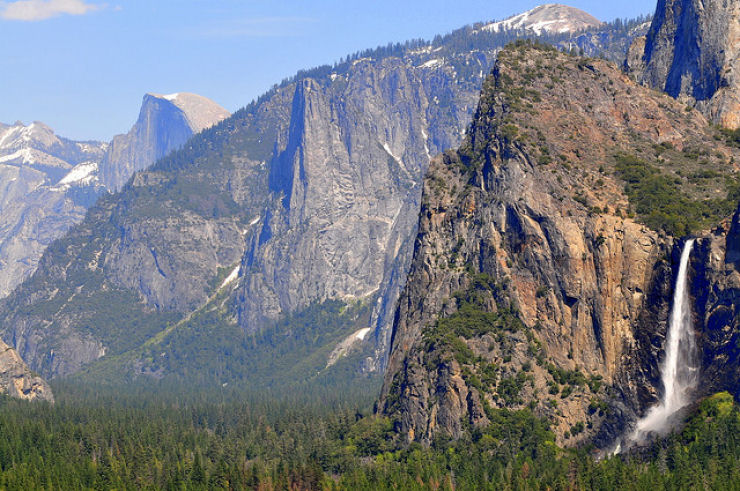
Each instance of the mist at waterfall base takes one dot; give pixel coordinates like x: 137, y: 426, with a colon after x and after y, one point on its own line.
x: 680, y: 368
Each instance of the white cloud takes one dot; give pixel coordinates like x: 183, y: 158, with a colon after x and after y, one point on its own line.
x: 33, y: 10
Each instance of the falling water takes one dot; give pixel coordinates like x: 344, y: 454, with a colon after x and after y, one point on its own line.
x: 680, y: 369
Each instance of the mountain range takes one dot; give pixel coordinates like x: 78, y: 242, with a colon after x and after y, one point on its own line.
x: 307, y: 196
x: 326, y: 231
x: 50, y: 181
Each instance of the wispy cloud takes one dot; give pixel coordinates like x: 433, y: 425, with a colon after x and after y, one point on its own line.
x: 256, y: 27
x: 35, y: 10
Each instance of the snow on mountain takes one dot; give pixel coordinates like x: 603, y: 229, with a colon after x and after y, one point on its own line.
x: 82, y: 174
x: 48, y: 182
x: 37, y: 145
x: 552, y: 18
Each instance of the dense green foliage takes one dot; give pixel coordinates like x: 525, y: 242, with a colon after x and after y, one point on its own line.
x: 658, y: 199
x: 89, y: 440
x: 209, y: 349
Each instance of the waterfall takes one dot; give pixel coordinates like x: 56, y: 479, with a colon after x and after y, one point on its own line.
x: 680, y: 368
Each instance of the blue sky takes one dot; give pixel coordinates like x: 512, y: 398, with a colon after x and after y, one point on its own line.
x: 82, y: 66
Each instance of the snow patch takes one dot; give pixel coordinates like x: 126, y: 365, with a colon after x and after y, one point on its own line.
x: 171, y: 97
x: 25, y: 154
x: 362, y: 333
x: 550, y: 18
x: 345, y: 346
x: 83, y: 173
x: 426, y: 144
x: 11, y: 135
x: 231, y: 278
x: 435, y: 63
x: 390, y: 152
x: 89, y: 148
x: 425, y: 50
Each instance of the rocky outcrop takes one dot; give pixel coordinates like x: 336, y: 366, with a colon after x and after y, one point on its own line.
x: 716, y: 289
x: 530, y: 286
x: 692, y: 52
x: 165, y: 123
x: 16, y: 379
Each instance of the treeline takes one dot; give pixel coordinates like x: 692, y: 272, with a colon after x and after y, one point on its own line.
x: 468, y: 38
x: 128, y: 442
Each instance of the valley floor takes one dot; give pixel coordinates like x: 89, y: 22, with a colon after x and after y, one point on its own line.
x: 145, y: 440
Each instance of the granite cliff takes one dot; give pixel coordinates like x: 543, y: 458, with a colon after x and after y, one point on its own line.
x: 692, y: 52
x: 165, y: 123
x: 716, y: 290
x: 16, y: 380
x: 541, y: 278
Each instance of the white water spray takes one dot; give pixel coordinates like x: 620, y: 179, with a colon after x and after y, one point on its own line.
x: 680, y: 369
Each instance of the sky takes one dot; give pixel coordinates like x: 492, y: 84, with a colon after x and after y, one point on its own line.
x: 83, y: 66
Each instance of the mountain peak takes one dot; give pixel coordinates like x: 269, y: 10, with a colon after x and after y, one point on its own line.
x: 201, y: 112
x: 553, y: 18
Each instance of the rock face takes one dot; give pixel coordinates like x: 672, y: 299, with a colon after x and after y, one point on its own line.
x: 313, y: 191
x: 716, y: 288
x: 349, y: 235
x: 47, y: 184
x: 529, y: 287
x: 16, y: 379
x: 165, y: 123
x: 692, y: 52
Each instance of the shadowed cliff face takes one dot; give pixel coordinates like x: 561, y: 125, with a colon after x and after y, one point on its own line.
x: 529, y: 286
x: 692, y: 52
x: 716, y: 288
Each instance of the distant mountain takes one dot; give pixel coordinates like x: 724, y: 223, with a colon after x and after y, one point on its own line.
x: 550, y: 18
x: 165, y: 123
x: 47, y: 182
x: 296, y: 215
